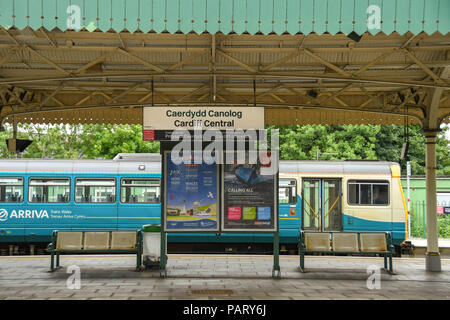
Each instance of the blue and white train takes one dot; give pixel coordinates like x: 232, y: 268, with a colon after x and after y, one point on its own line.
x: 39, y: 196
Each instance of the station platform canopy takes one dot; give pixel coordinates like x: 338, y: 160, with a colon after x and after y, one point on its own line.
x: 305, y: 61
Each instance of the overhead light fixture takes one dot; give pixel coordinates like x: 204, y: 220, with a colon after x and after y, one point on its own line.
x: 404, y: 152
x: 354, y: 36
x: 312, y: 93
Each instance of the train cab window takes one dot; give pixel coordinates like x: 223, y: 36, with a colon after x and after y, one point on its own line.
x: 11, y: 189
x: 369, y: 193
x: 53, y: 190
x: 135, y: 190
x: 91, y: 190
x: 287, y: 191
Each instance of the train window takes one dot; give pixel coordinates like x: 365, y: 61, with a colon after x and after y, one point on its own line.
x: 287, y: 191
x: 135, y: 190
x: 368, y: 192
x: 49, y: 190
x: 91, y: 190
x: 11, y: 189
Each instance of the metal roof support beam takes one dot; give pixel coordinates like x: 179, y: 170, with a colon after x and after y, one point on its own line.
x: 236, y: 61
x: 282, y: 60
x: 326, y: 63
x: 273, y: 95
x: 186, y: 60
x: 270, y: 91
x: 213, y: 67
x: 14, y: 94
x: 42, y: 30
x: 142, y: 61
x: 54, y: 65
x: 193, y: 92
x: 95, y: 61
x: 60, y: 87
x: 86, y: 98
x: 424, y: 67
x: 12, y: 51
x: 384, y: 56
x: 148, y: 95
x: 124, y: 93
x: 336, y: 94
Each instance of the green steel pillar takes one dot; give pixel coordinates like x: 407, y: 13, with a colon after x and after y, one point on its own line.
x: 276, y: 256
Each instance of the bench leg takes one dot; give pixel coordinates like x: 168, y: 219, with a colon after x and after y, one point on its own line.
x: 302, y: 261
x: 57, y: 259
x: 138, y: 260
x: 390, y: 264
x: 385, y: 261
x: 52, y: 261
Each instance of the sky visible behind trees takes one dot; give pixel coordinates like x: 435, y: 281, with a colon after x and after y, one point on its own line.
x: 345, y: 142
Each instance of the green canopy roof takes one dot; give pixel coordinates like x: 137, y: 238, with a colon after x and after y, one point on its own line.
x: 227, y: 16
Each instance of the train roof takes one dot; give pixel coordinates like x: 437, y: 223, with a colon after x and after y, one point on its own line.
x: 151, y: 162
x: 142, y: 164
x: 336, y: 167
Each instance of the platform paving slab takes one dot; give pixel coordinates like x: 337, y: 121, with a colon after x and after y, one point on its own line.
x: 113, y: 277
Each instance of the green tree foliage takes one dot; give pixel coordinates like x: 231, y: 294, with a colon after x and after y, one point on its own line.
x: 105, y: 141
x: 382, y: 142
x: 78, y: 141
x: 333, y: 142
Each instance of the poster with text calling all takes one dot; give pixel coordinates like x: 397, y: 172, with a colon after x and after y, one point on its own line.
x: 191, y: 196
x: 249, y: 198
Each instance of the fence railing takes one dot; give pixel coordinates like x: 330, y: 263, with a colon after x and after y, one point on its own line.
x: 419, y: 220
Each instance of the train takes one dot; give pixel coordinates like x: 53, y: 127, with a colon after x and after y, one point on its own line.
x: 38, y: 196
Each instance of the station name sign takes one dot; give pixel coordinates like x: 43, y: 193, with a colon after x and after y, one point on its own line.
x: 190, y: 118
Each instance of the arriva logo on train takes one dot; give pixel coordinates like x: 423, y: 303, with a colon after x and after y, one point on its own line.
x: 23, y: 214
x: 38, y: 214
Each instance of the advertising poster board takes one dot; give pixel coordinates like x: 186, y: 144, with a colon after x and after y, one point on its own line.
x: 191, y: 202
x: 249, y: 198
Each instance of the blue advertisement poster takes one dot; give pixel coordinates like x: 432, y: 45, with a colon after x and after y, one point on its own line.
x: 191, y: 196
x: 249, y: 198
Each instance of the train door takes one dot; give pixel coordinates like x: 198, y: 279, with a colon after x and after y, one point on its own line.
x: 321, y: 204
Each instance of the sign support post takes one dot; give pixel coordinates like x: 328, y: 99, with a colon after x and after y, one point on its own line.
x: 163, y: 256
x: 276, y: 271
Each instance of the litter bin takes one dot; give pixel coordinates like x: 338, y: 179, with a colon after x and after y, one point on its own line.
x: 152, y: 245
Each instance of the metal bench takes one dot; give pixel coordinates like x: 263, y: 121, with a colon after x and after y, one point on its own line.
x: 74, y: 242
x: 361, y: 243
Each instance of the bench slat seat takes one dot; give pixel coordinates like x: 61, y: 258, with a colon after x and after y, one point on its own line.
x: 317, y: 241
x: 371, y: 242
x: 123, y: 240
x: 70, y: 240
x: 95, y: 242
x: 345, y: 242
